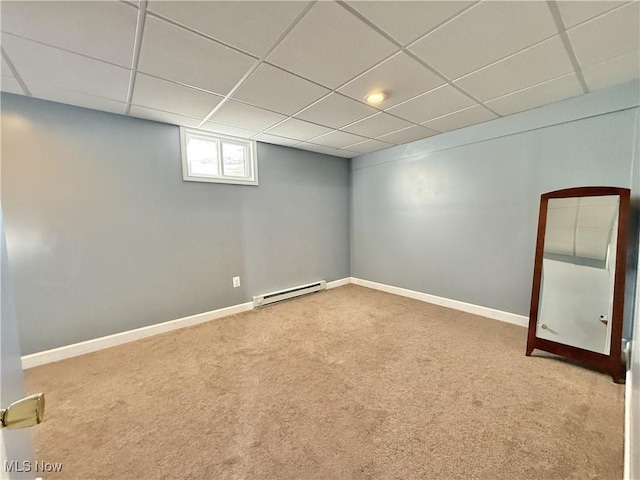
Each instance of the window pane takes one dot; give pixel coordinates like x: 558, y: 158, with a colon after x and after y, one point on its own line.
x: 234, y: 160
x: 218, y: 159
x: 203, y: 156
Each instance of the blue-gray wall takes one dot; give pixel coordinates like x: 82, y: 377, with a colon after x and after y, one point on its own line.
x: 104, y: 236
x: 455, y: 215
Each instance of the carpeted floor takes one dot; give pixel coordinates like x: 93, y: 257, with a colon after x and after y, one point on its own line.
x: 350, y: 383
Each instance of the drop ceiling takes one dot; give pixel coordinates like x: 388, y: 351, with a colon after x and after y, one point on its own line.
x: 296, y: 73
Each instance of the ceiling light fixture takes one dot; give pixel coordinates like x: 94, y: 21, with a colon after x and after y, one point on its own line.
x: 375, y: 97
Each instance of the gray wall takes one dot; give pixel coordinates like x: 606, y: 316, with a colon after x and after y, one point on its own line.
x: 456, y: 215
x: 104, y: 236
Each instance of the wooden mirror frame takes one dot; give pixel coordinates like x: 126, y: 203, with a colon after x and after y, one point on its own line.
x: 612, y: 363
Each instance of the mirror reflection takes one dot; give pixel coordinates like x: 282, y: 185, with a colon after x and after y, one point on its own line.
x: 578, y: 270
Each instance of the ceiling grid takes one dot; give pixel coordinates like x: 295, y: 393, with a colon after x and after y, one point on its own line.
x: 221, y: 66
x: 142, y: 15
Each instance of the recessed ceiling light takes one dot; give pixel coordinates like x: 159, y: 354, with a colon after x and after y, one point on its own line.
x: 375, y: 97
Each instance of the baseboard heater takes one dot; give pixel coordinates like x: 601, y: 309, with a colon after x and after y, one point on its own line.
x: 273, y: 297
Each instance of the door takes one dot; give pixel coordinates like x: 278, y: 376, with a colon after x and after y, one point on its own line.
x: 16, y: 453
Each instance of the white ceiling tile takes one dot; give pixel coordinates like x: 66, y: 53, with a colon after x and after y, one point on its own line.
x: 228, y: 130
x: 463, y: 118
x: 608, y: 36
x: 407, y: 135
x: 164, y: 95
x: 312, y: 147
x: 400, y: 77
x: 331, y: 46
x: 337, y: 139
x: 341, y: 152
x: 10, y: 85
x: 613, y: 72
x: 104, y: 30
x: 238, y: 114
x: 438, y: 102
x: 542, y: 94
x: 164, y: 117
x: 536, y: 64
x: 176, y: 54
x: 6, y: 71
x: 407, y: 20
x: 299, y: 130
x: 252, y: 26
x: 57, y: 68
x: 272, y: 88
x: 376, y: 125
x: 369, y: 146
x: 483, y: 34
x: 276, y: 140
x: 60, y: 95
x: 574, y: 12
x: 336, y: 111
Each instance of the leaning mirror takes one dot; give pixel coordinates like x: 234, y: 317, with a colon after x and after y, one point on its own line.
x: 577, y: 298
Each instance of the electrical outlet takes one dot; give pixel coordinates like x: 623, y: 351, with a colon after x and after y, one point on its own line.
x: 236, y: 282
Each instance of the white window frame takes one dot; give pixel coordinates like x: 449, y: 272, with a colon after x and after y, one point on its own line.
x: 252, y: 162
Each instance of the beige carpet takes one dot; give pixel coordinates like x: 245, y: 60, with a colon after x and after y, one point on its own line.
x: 346, y: 384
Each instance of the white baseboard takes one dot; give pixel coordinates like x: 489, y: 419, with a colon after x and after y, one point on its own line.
x: 339, y: 283
x: 68, y: 351
x: 76, y: 349
x: 520, y: 320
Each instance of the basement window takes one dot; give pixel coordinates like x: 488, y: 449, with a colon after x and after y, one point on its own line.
x: 216, y: 158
